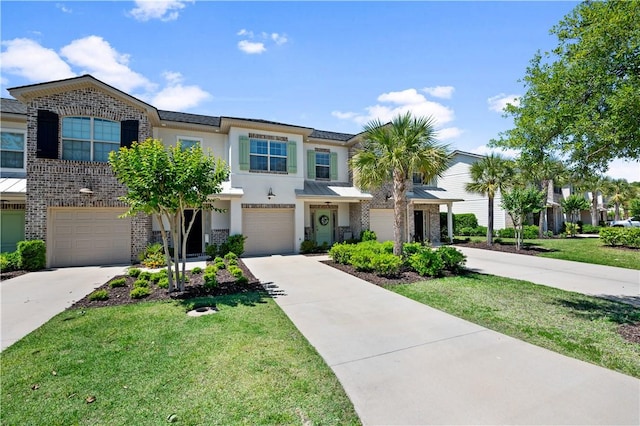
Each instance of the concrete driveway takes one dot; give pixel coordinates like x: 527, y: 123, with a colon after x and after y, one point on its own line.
x: 30, y: 300
x: 404, y: 363
x: 597, y: 280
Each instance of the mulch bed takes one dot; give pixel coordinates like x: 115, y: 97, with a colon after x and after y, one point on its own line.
x: 193, y: 288
x: 505, y: 248
x: 11, y: 274
x: 630, y: 332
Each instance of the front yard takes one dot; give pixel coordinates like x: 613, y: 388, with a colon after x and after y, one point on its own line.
x: 150, y: 363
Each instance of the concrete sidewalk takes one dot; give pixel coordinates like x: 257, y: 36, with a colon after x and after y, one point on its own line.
x: 402, y: 362
x: 604, y: 281
x: 30, y: 300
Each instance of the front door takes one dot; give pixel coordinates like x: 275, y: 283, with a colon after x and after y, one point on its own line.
x: 418, y: 220
x: 324, y: 227
x: 194, y: 240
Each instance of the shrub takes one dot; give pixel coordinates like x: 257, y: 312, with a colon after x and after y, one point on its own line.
x: 529, y: 232
x: 157, y: 276
x: 211, y: 250
x: 10, y: 261
x: 235, y: 271
x: 33, y: 255
x: 362, y: 260
x: 134, y: 272
x: 452, y: 259
x: 210, y: 280
x: 386, y: 247
x: 145, y: 275
x: 629, y: 237
x: 571, y: 229
x: 118, y: 282
x: 464, y: 220
x: 99, y: 295
x: 163, y: 282
x: 590, y: 229
x: 479, y: 231
x: 426, y: 262
x: 233, y: 244
x: 242, y: 280
x: 411, y: 248
x: 341, y: 253
x: 308, y: 246
x: 465, y: 231
x: 140, y: 283
x: 386, y: 264
x: 152, y: 256
x: 506, y: 233
x: 140, y: 292
x: 368, y: 235
x: 196, y: 270
x: 211, y: 269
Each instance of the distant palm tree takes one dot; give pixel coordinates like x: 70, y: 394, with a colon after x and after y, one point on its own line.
x: 489, y: 176
x: 395, y: 151
x: 618, y: 191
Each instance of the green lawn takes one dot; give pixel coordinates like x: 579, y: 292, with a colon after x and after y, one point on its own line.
x: 587, y: 250
x: 246, y: 364
x: 572, y: 324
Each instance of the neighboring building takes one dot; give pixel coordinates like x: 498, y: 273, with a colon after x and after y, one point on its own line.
x: 287, y: 183
x: 454, y: 182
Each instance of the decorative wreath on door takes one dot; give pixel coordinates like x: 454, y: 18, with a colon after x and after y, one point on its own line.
x: 324, y: 220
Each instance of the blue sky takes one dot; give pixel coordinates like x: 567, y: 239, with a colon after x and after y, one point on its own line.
x: 326, y: 65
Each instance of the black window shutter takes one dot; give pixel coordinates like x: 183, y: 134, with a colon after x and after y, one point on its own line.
x: 128, y: 132
x: 47, y: 143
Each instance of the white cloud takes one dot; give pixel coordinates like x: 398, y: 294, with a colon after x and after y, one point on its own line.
x: 250, y: 47
x: 404, y: 101
x: 449, y: 133
x: 621, y: 169
x: 444, y: 92
x: 244, y: 32
x: 279, y: 39
x: 96, y: 56
x: 499, y: 102
x: 64, y: 8
x: 175, y: 96
x: 485, y: 150
x: 164, y: 10
x: 28, y: 59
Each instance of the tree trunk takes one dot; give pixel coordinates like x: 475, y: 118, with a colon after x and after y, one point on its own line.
x: 617, y: 210
x: 490, y: 222
x: 167, y: 254
x: 399, y: 195
x: 594, y: 208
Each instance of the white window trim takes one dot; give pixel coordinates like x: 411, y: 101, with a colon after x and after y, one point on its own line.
x: 324, y: 166
x: 91, y: 140
x: 24, y: 150
x: 269, y: 156
x: 191, y: 138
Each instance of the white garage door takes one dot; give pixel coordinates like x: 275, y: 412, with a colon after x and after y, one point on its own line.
x: 381, y: 222
x: 88, y: 236
x: 268, y: 231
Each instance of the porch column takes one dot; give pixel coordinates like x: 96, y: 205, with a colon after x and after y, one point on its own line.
x: 450, y: 221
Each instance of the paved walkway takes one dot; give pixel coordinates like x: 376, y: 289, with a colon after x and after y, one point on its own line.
x: 30, y: 300
x: 604, y: 281
x: 402, y: 362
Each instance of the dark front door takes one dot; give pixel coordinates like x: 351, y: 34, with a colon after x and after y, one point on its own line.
x: 194, y: 240
x: 418, y: 220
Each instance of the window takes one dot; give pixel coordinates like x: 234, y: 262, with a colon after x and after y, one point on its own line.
x: 267, y: 156
x: 12, y: 150
x: 89, y: 139
x: 323, y: 165
x: 418, y: 179
x: 188, y: 142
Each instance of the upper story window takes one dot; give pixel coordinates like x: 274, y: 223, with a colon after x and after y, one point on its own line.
x: 267, y: 156
x: 418, y: 179
x: 322, y: 164
x: 89, y: 139
x: 12, y: 150
x: 189, y: 142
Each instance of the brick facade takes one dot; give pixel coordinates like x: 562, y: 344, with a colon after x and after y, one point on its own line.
x: 56, y: 183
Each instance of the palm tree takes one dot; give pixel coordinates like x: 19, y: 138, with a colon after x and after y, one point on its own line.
x: 618, y: 191
x: 396, y: 150
x: 489, y: 176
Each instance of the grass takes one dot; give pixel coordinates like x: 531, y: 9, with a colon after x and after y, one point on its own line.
x: 587, y: 250
x: 143, y: 363
x: 572, y: 324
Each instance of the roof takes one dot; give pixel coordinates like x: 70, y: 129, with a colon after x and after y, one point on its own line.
x: 421, y: 195
x: 12, y: 106
x: 328, y: 190
x: 183, y: 117
x: 13, y: 188
x: 334, y: 136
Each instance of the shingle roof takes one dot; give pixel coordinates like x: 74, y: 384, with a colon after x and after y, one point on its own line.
x: 12, y: 106
x: 183, y: 117
x: 333, y: 136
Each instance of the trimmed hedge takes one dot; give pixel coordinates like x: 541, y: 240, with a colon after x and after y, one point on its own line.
x: 33, y: 255
x: 628, y: 237
x: 529, y: 232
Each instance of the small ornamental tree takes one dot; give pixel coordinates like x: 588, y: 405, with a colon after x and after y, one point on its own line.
x: 572, y: 205
x: 164, y: 182
x: 519, y: 203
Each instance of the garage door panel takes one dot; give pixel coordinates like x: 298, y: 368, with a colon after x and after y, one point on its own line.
x: 268, y: 231
x: 89, y: 236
